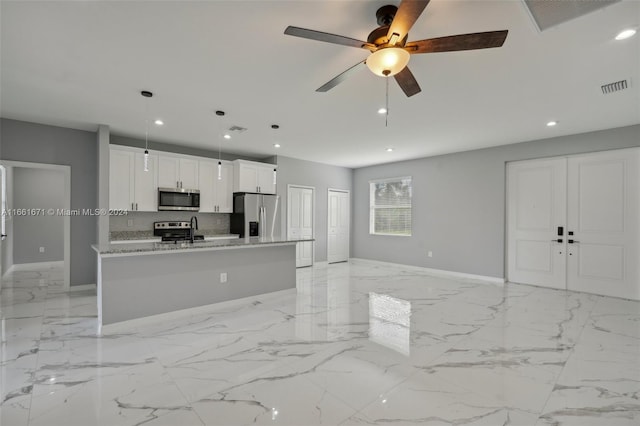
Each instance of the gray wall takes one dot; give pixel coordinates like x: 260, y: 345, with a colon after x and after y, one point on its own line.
x: 459, y: 203
x: 38, y: 189
x: 38, y: 143
x: 322, y: 177
x: 102, y: 188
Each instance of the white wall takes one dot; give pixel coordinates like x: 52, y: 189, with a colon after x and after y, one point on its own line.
x: 459, y: 203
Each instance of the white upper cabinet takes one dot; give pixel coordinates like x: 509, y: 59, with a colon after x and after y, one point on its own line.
x: 145, y: 184
x: 177, y: 172
x: 265, y: 179
x: 250, y: 176
x: 130, y: 187
x: 215, y: 194
x: 224, y: 189
x: 121, y: 179
x: 189, y: 173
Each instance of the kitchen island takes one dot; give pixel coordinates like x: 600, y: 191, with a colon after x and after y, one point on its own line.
x: 137, y: 280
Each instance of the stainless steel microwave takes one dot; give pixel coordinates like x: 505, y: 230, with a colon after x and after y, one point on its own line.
x: 178, y: 199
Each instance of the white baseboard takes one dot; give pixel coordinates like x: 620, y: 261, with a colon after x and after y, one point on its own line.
x: 36, y: 266
x: 442, y: 273
x: 82, y: 287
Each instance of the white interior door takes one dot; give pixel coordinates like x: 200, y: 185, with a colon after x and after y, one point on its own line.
x: 300, y: 222
x: 3, y: 223
x: 338, y: 226
x: 603, y: 215
x: 536, y: 207
x: 595, y: 199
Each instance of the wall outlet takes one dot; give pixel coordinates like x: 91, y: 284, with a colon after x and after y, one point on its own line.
x: 223, y: 277
x: 41, y: 249
x: 129, y: 223
x: 429, y: 253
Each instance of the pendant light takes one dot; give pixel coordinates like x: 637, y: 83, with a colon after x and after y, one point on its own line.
x: 275, y: 146
x: 147, y: 95
x: 219, y: 114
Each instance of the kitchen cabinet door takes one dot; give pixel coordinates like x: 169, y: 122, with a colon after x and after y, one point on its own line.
x: 121, y: 178
x: 246, y: 177
x: 168, y: 171
x: 189, y: 173
x: 145, y: 184
x: 224, y: 189
x: 265, y: 179
x: 207, y: 174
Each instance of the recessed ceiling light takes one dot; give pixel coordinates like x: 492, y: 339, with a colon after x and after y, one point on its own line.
x: 276, y: 145
x: 626, y: 34
x: 552, y: 123
x: 382, y: 111
x: 227, y: 136
x: 389, y: 149
x: 159, y: 122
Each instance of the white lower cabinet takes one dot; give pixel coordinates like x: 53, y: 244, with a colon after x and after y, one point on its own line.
x: 216, y: 195
x: 130, y: 187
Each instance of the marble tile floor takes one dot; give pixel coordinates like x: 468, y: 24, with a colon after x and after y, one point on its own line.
x: 357, y: 343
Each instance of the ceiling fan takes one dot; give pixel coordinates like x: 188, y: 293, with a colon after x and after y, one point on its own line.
x: 388, y: 45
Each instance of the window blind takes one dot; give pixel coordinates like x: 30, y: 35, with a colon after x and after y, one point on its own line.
x: 390, y: 206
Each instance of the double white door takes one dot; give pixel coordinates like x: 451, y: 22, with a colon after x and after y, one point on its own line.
x: 573, y: 223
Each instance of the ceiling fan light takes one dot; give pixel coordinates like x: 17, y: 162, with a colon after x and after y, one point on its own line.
x: 623, y: 35
x: 392, y: 59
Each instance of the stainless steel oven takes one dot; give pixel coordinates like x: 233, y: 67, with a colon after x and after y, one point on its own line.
x: 178, y: 199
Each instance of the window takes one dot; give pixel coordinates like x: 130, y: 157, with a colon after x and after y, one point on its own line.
x: 390, y: 206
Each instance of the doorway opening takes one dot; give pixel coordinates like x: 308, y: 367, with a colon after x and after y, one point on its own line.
x: 37, y: 207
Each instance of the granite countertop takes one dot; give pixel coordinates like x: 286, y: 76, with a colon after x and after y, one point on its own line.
x: 148, y: 235
x: 132, y: 249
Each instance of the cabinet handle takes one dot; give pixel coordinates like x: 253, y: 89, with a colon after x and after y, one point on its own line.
x: 177, y: 184
x: 131, y: 206
x: 136, y: 206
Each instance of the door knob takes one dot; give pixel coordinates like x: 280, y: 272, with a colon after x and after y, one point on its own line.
x: 559, y: 240
x: 573, y: 241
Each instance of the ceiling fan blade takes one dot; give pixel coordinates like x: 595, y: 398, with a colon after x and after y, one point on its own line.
x: 407, y: 14
x: 454, y: 43
x: 328, y: 38
x: 407, y: 82
x: 341, y: 77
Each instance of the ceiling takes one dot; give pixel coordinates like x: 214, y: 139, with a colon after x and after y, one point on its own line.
x: 80, y: 64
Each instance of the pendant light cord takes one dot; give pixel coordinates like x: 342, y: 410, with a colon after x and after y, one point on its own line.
x: 386, y: 116
x: 146, y: 125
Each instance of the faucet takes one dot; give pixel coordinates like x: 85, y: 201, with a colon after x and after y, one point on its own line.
x: 192, y: 228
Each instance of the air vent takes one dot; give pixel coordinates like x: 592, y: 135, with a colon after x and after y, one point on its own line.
x: 614, y: 87
x: 237, y: 129
x: 549, y: 13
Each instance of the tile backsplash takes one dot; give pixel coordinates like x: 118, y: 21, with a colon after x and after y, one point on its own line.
x: 143, y: 221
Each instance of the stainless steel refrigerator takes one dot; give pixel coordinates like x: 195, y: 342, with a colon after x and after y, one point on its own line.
x: 255, y: 215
